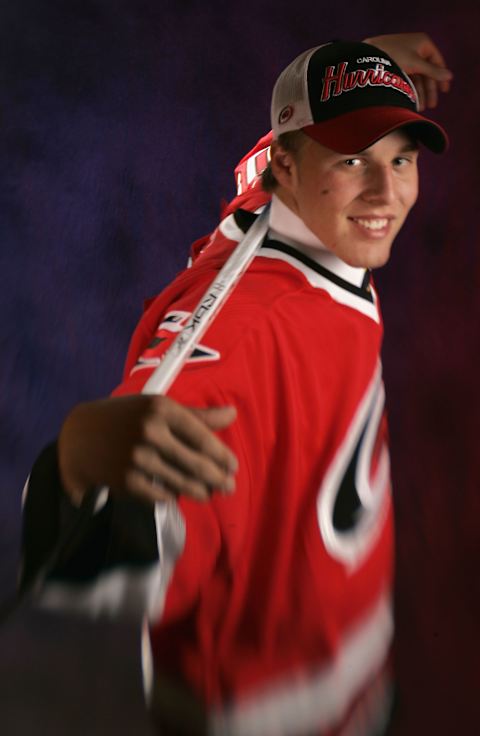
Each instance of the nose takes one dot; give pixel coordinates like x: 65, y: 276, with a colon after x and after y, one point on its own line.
x: 380, y: 185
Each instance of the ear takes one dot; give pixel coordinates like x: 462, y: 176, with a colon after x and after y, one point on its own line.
x: 284, y: 166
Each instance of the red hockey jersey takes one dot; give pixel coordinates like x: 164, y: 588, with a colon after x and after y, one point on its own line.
x: 275, y: 612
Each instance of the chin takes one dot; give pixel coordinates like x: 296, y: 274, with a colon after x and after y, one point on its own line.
x: 374, y: 257
x: 377, y: 261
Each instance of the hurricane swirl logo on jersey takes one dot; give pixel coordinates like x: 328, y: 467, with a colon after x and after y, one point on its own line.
x: 353, y: 499
x: 171, y: 325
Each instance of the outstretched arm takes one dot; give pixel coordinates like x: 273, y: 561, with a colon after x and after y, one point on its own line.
x: 419, y: 56
x: 145, y: 449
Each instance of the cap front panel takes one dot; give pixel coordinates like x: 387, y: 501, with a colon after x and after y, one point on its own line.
x: 350, y: 76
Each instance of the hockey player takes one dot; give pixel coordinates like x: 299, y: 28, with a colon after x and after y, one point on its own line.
x: 269, y: 607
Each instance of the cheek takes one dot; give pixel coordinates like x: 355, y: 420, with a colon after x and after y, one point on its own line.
x: 414, y: 197
x: 410, y: 192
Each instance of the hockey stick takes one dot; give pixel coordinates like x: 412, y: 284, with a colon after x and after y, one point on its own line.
x: 208, y: 307
x: 158, y: 383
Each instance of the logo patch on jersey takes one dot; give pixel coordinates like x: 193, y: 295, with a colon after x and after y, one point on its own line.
x: 353, y: 499
x: 172, y: 324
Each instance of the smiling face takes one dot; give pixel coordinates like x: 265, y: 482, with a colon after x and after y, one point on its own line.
x: 355, y: 204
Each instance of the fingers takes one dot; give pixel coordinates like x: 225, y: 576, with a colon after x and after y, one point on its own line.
x: 432, y: 70
x: 198, y: 465
x: 420, y: 87
x: 431, y: 92
x: 157, y: 477
x: 179, y: 449
x: 172, y: 469
x: 194, y: 428
x: 419, y: 56
x: 432, y: 80
x: 217, y: 417
x: 148, y: 489
x: 430, y: 52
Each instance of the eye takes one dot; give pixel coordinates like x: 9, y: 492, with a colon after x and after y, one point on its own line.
x: 352, y: 162
x: 407, y: 158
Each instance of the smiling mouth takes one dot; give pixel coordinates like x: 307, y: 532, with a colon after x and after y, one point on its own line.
x: 372, y: 223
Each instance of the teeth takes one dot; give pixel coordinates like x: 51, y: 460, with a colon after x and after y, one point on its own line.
x: 377, y: 224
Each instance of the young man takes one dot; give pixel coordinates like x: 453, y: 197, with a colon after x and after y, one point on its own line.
x: 269, y: 607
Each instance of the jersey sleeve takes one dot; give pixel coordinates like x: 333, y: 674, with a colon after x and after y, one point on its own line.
x: 117, y: 558
x: 101, y: 558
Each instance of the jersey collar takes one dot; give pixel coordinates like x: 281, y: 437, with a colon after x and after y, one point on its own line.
x: 322, y: 269
x: 288, y: 228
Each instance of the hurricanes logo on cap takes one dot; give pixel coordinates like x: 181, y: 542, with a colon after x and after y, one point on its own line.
x: 285, y: 114
x: 337, y: 80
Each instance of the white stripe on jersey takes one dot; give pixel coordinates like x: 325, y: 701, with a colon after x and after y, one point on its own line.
x: 315, y: 279
x: 300, y: 706
x: 125, y: 590
x: 251, y: 170
x: 309, y: 702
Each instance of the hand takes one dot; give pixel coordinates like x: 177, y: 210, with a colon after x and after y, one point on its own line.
x: 148, y: 446
x: 416, y: 54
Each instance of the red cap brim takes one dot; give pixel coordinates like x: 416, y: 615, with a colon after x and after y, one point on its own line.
x: 354, y: 131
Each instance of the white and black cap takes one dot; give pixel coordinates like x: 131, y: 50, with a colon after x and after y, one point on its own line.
x: 348, y: 95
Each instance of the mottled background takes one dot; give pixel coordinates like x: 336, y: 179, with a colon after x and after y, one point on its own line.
x: 120, y: 125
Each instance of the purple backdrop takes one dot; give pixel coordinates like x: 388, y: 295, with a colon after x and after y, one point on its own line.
x: 120, y: 124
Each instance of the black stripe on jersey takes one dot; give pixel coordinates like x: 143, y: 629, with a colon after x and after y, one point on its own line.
x: 363, y: 291
x: 245, y: 219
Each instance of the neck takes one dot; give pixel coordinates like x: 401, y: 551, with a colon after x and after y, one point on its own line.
x: 289, y: 228
x: 285, y: 222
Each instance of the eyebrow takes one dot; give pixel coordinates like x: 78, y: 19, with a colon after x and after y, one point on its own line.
x: 409, y: 147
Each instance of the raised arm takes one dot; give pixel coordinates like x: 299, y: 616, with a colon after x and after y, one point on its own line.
x: 421, y: 58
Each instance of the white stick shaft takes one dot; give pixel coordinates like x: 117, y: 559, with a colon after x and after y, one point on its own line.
x: 209, y: 305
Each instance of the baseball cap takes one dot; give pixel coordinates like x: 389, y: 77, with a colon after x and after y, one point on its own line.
x: 348, y: 95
